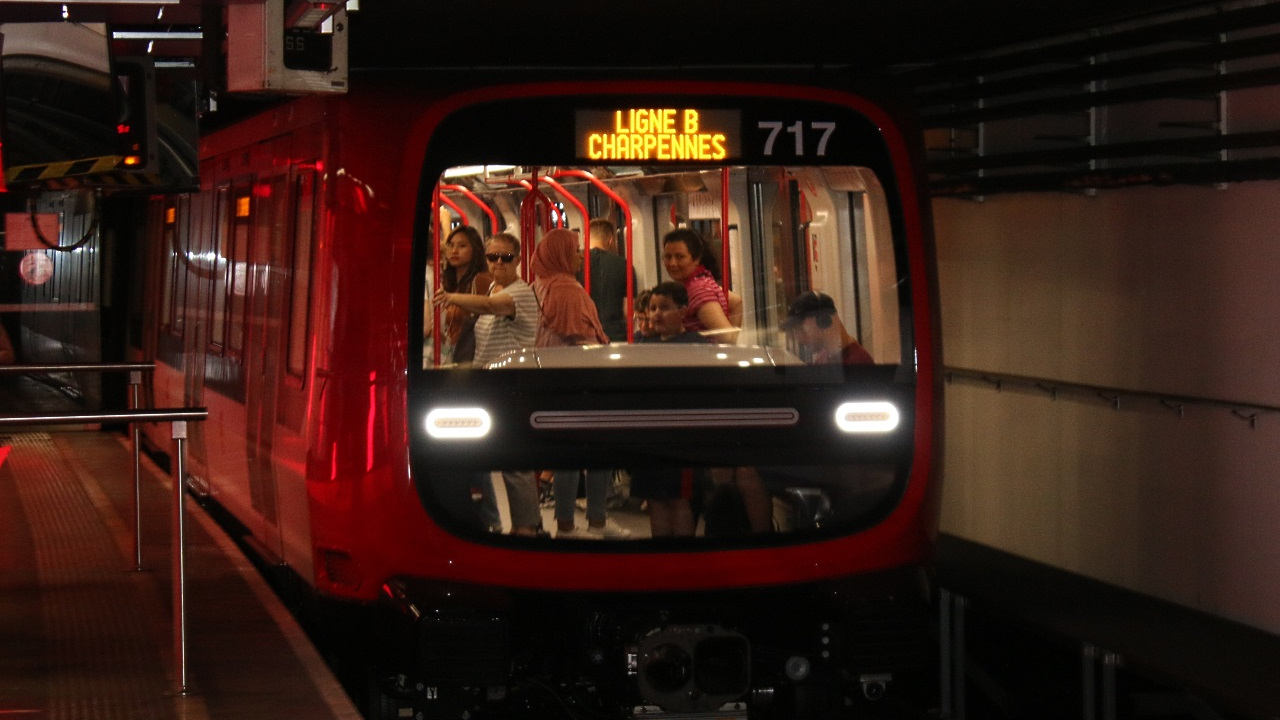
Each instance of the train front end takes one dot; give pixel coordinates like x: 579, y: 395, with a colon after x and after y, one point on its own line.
x: 797, y: 585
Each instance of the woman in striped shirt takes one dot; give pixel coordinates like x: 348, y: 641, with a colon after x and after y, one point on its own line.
x: 687, y: 261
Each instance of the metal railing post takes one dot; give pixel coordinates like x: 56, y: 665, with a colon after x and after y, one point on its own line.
x: 134, y: 417
x: 951, y: 660
x: 135, y: 383
x: 179, y: 559
x: 944, y: 651
x: 1088, y: 690
x: 959, y: 674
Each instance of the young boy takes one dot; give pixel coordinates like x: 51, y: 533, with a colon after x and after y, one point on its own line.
x: 667, y: 489
x: 667, y: 304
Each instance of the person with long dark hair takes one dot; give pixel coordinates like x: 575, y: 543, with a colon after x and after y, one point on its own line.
x: 464, y: 272
x: 688, y: 261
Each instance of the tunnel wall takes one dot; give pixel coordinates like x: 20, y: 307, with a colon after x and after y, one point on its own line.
x: 1169, y: 290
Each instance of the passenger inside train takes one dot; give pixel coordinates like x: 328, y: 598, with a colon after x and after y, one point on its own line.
x: 758, y: 275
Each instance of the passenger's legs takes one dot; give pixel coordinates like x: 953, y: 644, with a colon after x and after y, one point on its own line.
x: 522, y: 496
x: 598, y: 482
x: 489, y: 514
x: 564, y: 486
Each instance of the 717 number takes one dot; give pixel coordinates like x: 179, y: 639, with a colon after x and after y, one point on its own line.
x: 796, y: 130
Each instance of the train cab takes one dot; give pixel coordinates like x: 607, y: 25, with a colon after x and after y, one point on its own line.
x: 606, y: 395
x: 804, y: 466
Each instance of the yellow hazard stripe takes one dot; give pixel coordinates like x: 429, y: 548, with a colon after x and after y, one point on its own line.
x: 108, y: 170
x: 62, y: 168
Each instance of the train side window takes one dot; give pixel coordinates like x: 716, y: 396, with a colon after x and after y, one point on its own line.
x: 178, y: 238
x: 183, y: 277
x: 166, y: 220
x: 238, y: 287
x: 219, y: 220
x: 300, y: 290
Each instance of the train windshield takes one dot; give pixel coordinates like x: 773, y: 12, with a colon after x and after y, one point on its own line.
x: 681, y: 355
x: 692, y: 284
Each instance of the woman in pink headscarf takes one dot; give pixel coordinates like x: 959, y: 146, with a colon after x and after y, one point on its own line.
x: 569, y: 316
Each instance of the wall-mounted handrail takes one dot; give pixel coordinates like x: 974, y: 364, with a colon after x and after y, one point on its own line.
x: 1056, y: 389
x: 129, y: 416
x: 77, y: 367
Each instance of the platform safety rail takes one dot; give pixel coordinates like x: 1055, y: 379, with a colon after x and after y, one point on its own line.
x: 178, y: 419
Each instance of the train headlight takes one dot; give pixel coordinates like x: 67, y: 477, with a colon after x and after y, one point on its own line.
x: 458, y: 423
x: 867, y: 417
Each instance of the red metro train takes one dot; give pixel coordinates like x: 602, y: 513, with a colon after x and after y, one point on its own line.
x: 290, y: 296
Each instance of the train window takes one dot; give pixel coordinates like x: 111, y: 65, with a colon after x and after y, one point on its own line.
x: 764, y: 235
x: 238, y: 287
x: 180, y: 237
x: 166, y: 213
x: 219, y: 220
x: 303, y: 236
x: 769, y: 290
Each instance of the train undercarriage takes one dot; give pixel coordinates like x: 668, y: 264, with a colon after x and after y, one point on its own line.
x: 860, y: 647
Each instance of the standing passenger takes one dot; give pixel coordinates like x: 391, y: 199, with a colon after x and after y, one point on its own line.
x: 464, y: 272
x: 508, y: 321
x: 608, y: 287
x: 569, y: 317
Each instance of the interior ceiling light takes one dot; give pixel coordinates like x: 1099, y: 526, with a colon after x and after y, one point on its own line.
x: 157, y: 35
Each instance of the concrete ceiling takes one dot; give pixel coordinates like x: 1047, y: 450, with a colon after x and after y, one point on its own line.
x: 864, y: 33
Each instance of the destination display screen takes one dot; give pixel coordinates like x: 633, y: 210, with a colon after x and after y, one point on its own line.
x: 655, y: 130
x: 662, y: 134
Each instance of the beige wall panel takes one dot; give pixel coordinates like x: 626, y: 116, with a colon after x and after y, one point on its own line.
x: 1169, y: 290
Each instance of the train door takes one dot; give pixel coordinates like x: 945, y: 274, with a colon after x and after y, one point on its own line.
x: 263, y: 338
x: 145, y: 297
x: 192, y: 240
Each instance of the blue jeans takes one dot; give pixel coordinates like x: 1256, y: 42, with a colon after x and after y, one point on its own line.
x: 522, y: 499
x: 565, y: 488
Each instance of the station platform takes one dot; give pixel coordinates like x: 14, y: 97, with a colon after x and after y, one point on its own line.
x: 85, y: 634
x: 1171, y: 661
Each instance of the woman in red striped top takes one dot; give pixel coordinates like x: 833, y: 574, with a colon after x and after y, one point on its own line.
x: 687, y: 260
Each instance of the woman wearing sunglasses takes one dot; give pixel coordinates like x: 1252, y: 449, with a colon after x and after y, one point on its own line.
x: 508, y: 310
x: 508, y: 321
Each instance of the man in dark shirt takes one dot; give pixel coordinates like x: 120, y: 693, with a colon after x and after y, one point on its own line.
x: 816, y: 328
x: 609, y: 280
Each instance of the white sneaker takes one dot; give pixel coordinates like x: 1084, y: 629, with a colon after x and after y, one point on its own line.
x: 610, y: 531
